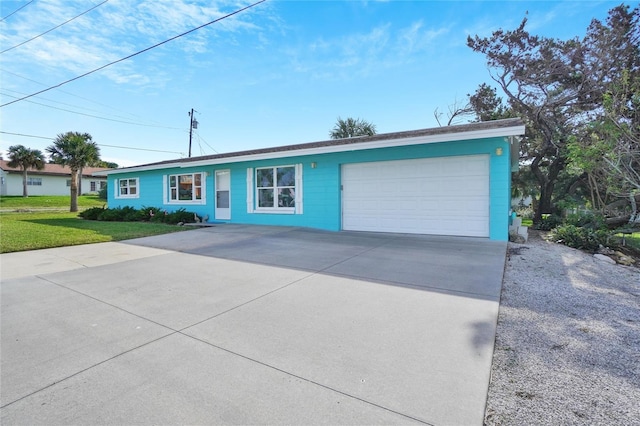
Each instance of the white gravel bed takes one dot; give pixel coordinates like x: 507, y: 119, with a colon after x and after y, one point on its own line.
x: 567, y: 348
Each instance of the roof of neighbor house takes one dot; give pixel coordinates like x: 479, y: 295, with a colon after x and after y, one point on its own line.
x: 52, y: 170
x: 497, y: 128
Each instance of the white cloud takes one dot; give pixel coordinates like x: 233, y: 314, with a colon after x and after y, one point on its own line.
x: 112, y: 31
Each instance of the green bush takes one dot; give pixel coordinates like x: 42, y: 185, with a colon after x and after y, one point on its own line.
x: 129, y: 214
x: 121, y: 214
x: 91, y: 214
x: 586, y: 220
x: 548, y: 222
x: 102, y: 194
x: 583, y: 238
x: 180, y: 215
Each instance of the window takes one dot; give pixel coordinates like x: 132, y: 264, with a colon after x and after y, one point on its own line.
x: 103, y: 184
x: 34, y: 181
x: 93, y: 186
x: 127, y: 188
x: 68, y: 182
x: 275, y: 189
x: 186, y: 188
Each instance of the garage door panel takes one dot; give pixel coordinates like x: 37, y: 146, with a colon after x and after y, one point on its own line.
x: 444, y: 196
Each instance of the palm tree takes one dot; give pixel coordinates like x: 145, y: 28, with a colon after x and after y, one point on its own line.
x: 352, y: 127
x: 25, y: 158
x: 76, y: 150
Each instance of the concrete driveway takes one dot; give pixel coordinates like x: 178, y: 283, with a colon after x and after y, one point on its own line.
x: 251, y: 325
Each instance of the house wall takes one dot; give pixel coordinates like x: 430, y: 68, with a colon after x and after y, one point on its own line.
x: 321, y: 185
x: 51, y: 185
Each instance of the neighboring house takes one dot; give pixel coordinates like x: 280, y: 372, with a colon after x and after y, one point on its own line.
x: 54, y: 179
x: 452, y: 180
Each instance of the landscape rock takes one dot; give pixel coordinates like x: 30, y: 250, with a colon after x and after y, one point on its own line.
x: 604, y: 258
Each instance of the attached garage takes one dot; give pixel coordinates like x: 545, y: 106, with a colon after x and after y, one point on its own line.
x: 452, y: 180
x: 440, y: 196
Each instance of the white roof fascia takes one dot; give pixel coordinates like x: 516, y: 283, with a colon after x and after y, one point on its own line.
x: 385, y: 143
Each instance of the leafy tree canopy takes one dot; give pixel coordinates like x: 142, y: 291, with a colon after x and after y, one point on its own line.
x: 75, y: 150
x: 25, y: 158
x: 561, y: 88
x: 352, y: 127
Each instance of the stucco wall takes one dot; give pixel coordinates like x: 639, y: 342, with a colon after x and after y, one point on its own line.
x: 321, y: 185
x: 51, y: 185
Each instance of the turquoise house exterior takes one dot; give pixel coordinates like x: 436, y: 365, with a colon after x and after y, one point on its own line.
x: 446, y: 181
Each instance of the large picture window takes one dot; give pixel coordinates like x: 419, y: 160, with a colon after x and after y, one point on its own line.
x: 127, y: 188
x: 186, y: 188
x: 276, y: 187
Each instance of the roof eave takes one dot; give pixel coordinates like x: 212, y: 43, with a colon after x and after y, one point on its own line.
x: 492, y: 132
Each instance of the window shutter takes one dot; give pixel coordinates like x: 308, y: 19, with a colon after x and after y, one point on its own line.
x: 165, y: 189
x: 250, y: 190
x: 116, y: 186
x: 298, y: 200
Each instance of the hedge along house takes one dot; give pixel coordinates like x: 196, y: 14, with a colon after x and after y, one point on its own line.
x: 453, y: 180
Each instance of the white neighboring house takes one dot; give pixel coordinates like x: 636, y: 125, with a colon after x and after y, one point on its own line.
x: 54, y: 179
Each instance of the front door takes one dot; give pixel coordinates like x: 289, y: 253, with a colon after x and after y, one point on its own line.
x: 223, y: 194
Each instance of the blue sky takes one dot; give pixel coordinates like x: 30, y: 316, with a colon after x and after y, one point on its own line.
x: 279, y: 73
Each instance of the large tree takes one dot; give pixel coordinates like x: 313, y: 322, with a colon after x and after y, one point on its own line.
x: 558, y: 86
x: 352, y: 127
x: 75, y: 150
x: 25, y: 158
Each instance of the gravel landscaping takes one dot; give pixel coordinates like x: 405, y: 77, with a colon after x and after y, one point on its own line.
x: 567, y: 348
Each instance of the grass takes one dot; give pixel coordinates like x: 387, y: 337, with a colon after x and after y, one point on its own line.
x: 48, y: 202
x: 21, y: 231
x: 632, y: 240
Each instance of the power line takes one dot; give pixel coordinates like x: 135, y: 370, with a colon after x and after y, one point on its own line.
x: 74, y: 95
x: 56, y: 27
x: 96, y: 116
x: 137, y: 53
x: 17, y: 10
x: 99, y: 144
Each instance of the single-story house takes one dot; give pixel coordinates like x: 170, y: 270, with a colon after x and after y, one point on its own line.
x: 54, y: 179
x: 453, y: 180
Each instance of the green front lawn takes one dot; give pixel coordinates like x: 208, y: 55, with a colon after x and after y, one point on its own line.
x: 43, y: 202
x: 37, y: 230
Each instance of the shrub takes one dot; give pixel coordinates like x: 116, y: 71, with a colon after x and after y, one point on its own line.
x: 91, y: 214
x: 583, y: 238
x: 102, y: 194
x: 121, y: 214
x: 129, y: 214
x: 153, y: 214
x: 586, y: 220
x: 548, y: 222
x: 180, y: 215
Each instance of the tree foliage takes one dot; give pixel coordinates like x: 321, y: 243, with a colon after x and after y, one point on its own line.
x: 352, y: 127
x: 25, y: 158
x: 75, y: 150
x: 560, y: 88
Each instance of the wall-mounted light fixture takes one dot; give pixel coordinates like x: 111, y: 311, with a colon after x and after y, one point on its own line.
x: 314, y: 164
x: 498, y: 151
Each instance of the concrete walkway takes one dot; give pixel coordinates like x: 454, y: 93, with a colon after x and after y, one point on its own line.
x: 251, y: 325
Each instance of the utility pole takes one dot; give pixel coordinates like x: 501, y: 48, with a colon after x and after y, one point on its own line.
x: 193, y: 124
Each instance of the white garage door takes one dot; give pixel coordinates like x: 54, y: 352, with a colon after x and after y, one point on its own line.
x: 441, y: 196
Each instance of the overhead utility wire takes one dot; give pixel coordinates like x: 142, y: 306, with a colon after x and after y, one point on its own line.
x: 56, y: 27
x: 137, y: 53
x: 75, y: 96
x: 99, y: 144
x: 96, y: 116
x: 17, y: 10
